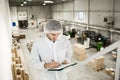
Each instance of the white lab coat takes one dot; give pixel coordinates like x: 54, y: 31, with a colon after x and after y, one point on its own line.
x: 44, y: 51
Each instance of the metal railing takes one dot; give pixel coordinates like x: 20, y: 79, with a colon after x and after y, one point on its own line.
x: 108, y: 49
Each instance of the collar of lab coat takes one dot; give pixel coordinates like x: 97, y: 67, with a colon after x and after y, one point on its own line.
x: 48, y: 40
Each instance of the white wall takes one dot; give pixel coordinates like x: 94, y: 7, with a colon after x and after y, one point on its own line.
x: 5, y: 41
x: 101, y: 5
x: 40, y: 12
x: 13, y: 14
x: 63, y: 11
x: 97, y: 18
x: 81, y: 5
x: 117, y: 13
x: 98, y: 10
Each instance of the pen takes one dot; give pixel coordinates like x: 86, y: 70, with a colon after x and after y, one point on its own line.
x: 52, y: 60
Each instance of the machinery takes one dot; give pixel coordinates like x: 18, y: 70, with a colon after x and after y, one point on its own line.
x: 96, y: 39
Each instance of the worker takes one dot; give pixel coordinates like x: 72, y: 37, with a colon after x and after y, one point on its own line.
x: 50, y: 51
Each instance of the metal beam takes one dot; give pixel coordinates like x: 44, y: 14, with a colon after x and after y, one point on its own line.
x: 101, y: 53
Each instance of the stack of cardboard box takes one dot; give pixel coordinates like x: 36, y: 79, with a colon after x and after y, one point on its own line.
x: 79, y: 52
x: 18, y: 71
x: 19, y: 36
x: 97, y: 64
x: 16, y: 36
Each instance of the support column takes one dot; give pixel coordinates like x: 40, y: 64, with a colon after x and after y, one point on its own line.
x: 5, y: 41
x: 88, y: 23
x: 117, y: 70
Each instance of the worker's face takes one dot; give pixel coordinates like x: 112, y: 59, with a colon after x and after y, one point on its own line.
x: 53, y: 36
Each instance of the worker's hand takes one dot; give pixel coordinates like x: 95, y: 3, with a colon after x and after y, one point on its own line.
x: 65, y: 62
x: 52, y: 64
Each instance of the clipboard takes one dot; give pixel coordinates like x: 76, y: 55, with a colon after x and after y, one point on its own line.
x: 62, y: 67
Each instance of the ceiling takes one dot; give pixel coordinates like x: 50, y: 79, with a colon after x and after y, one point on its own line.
x: 34, y: 2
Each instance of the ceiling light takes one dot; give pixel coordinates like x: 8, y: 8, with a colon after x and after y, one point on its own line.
x: 44, y: 4
x: 48, y: 1
x: 22, y: 4
x: 25, y: 2
x: 63, y: 0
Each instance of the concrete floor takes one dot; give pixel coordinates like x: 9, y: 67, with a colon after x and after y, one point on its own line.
x: 83, y: 73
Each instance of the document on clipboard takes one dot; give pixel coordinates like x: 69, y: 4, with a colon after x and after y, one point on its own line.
x: 62, y: 67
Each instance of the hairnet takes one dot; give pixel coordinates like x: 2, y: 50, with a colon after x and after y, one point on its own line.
x: 53, y: 26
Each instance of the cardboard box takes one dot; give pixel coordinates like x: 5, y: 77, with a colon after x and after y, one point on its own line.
x: 16, y: 35
x: 16, y: 60
x: 14, y: 52
x: 22, y: 35
x: 110, y: 71
x: 18, y: 72
x: 26, y: 76
x: 80, y: 57
x: 13, y: 71
x: 18, y: 77
x: 79, y: 49
x: 97, y: 64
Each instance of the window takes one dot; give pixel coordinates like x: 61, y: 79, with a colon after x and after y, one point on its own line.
x: 81, y: 15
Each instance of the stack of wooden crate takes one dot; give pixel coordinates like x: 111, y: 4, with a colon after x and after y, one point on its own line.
x: 79, y: 52
x: 18, y: 71
x: 97, y: 64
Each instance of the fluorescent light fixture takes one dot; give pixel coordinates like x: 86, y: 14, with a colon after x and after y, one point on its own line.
x: 22, y: 4
x: 29, y: 0
x: 25, y: 2
x: 48, y: 1
x: 63, y: 0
